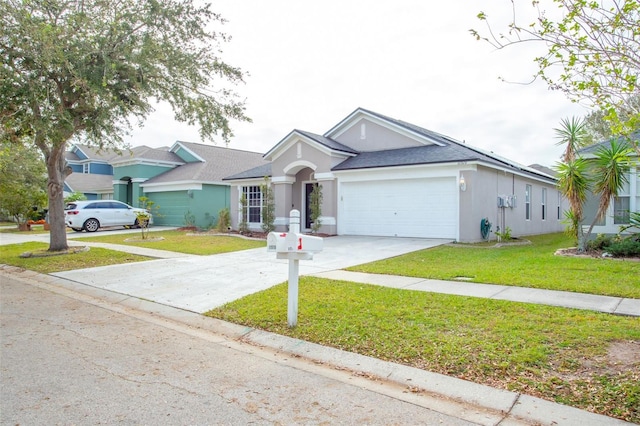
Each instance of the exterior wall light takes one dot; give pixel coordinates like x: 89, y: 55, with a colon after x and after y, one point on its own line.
x: 463, y: 184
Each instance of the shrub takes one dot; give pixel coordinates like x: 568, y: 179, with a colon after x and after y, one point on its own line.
x: 243, y: 226
x: 224, y: 220
x: 504, y: 235
x: 601, y: 242
x: 624, y: 248
x: 189, y: 219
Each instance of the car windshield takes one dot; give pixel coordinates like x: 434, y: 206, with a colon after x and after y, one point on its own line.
x: 70, y: 206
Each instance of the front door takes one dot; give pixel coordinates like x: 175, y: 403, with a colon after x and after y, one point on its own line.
x: 308, y: 189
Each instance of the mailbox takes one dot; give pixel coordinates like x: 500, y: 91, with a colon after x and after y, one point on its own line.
x: 283, y: 242
x: 294, y: 247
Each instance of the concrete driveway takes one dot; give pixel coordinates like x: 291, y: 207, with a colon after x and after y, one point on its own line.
x: 200, y: 283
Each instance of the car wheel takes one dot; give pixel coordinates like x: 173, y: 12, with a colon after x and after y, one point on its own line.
x: 77, y: 229
x: 91, y: 225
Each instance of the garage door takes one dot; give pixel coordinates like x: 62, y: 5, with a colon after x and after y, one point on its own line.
x: 423, y: 208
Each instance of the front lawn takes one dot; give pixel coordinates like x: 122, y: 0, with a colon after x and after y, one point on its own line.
x: 531, y: 265
x: 10, y: 255
x: 585, y: 359
x: 182, y: 242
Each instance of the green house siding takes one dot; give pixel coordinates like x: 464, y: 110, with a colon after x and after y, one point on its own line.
x: 171, y: 207
x: 186, y: 155
x: 203, y: 204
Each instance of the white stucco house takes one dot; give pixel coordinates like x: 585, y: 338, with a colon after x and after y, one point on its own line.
x: 384, y: 177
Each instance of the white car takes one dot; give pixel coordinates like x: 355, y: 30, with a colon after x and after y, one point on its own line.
x: 93, y: 215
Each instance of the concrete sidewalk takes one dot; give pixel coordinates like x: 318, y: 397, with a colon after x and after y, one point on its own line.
x: 567, y: 299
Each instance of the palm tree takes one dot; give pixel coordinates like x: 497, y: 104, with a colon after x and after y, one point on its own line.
x: 572, y: 180
x: 609, y: 171
x: 573, y: 133
x: 573, y: 183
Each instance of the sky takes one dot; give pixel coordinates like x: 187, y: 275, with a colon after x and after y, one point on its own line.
x: 310, y: 64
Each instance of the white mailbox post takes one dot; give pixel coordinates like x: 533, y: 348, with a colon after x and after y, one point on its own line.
x: 293, y: 246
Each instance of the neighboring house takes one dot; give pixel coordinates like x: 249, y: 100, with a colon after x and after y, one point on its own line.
x: 628, y: 200
x: 92, y: 175
x: 385, y: 177
x: 184, y: 180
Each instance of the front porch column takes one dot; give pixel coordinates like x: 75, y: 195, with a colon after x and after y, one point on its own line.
x: 329, y: 203
x: 283, y: 195
x: 120, y: 190
x: 136, y: 191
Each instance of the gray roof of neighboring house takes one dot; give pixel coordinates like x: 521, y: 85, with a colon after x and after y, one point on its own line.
x: 144, y: 152
x: 92, y: 153
x: 71, y: 156
x: 544, y: 169
x: 592, y: 149
x: 219, y: 162
x: 89, y: 182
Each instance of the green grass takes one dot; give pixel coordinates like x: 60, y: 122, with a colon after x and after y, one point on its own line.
x: 182, y: 242
x: 10, y: 255
x: 527, y: 266
x: 554, y: 353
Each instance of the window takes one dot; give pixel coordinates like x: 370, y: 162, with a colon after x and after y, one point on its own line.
x: 85, y: 168
x: 622, y: 205
x: 559, y: 204
x: 544, y: 203
x: 254, y: 203
x: 527, y: 202
x: 621, y: 208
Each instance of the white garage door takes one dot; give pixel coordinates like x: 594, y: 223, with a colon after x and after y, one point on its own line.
x: 423, y: 208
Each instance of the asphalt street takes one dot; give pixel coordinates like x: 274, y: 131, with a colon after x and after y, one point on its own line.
x: 78, y: 362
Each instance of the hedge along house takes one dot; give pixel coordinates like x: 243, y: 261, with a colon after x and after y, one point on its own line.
x: 184, y: 181
x: 620, y: 207
x: 385, y: 177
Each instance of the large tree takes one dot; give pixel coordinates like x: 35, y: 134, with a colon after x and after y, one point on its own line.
x: 89, y: 69
x: 592, y: 52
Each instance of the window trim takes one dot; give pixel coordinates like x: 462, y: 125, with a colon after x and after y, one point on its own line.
x: 544, y: 203
x: 253, y: 193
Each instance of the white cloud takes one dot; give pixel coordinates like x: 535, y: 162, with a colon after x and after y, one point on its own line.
x: 311, y: 64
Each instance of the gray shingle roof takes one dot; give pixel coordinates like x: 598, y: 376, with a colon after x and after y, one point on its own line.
x: 445, y: 150
x: 328, y: 142
x: 407, y: 156
x: 92, y: 153
x: 144, y: 152
x: 255, y: 173
x: 89, y: 182
x: 219, y: 163
x: 592, y: 149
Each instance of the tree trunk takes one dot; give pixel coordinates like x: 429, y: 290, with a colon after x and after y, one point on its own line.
x: 57, y: 172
